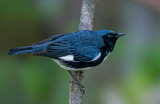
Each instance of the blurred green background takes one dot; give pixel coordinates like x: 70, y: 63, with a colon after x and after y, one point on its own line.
x: 130, y: 75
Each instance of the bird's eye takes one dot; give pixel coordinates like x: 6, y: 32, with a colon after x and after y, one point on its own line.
x: 109, y: 35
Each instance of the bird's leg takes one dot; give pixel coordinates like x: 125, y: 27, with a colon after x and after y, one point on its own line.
x: 81, y: 87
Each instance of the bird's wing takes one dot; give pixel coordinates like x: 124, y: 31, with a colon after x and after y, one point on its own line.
x: 58, y: 49
x: 63, y: 50
x: 52, y: 38
x: 85, y: 53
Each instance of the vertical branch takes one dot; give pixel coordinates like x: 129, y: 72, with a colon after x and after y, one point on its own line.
x: 87, y: 14
x: 86, y: 23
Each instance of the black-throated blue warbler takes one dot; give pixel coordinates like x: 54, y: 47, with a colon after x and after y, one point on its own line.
x: 74, y: 51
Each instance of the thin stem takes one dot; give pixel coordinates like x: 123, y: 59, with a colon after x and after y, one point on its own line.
x: 86, y: 23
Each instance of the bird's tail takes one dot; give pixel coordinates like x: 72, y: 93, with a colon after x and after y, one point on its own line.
x: 21, y: 50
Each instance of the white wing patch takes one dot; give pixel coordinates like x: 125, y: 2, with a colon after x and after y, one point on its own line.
x: 71, y: 58
x: 67, y: 58
x: 97, y: 57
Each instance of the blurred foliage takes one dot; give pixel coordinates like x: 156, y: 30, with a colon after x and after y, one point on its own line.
x: 131, y: 74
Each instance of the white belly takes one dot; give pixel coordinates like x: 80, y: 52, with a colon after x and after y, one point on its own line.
x: 62, y: 65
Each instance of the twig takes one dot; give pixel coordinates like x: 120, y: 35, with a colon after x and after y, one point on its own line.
x: 86, y: 23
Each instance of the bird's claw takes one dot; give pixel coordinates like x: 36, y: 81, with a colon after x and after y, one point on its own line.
x: 81, y: 87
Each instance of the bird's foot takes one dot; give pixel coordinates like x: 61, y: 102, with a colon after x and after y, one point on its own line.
x: 81, y: 87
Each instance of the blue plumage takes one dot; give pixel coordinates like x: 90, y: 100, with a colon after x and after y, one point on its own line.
x: 76, y: 50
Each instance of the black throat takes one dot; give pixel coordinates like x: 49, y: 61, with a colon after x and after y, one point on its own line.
x: 109, y: 45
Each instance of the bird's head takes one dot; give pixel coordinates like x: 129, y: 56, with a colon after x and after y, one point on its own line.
x: 109, y: 34
x: 109, y: 37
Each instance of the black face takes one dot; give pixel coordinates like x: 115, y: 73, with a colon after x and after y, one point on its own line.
x: 110, y: 39
x: 112, y: 36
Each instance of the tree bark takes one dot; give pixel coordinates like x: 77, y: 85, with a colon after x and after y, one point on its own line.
x: 86, y: 23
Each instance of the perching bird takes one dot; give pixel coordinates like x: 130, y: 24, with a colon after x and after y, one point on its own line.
x: 74, y: 51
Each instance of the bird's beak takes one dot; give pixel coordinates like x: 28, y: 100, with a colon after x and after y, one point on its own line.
x: 120, y: 34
